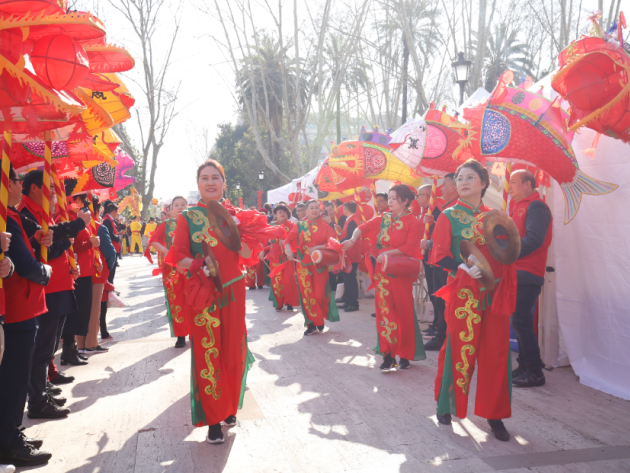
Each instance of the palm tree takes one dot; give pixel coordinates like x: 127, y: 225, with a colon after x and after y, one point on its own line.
x: 266, y: 74
x: 353, y: 76
x: 505, y: 52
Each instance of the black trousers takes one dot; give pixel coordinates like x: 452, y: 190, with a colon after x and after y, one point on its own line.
x: 50, y: 325
x: 351, y: 286
x: 523, y: 325
x: 103, y: 321
x: 77, y: 323
x: 15, y: 371
x: 333, y: 280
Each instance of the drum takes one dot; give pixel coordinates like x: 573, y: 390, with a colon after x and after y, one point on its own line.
x: 398, y: 265
x: 325, y: 258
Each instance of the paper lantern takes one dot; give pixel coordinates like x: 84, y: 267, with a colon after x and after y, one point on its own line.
x: 60, y: 62
x: 585, y: 89
x: 154, y: 201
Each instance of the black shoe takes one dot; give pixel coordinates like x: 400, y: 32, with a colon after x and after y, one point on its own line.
x: 230, y: 421
x: 445, y: 419
x: 340, y: 300
x: 63, y: 379
x: 215, y: 435
x: 310, y: 330
x: 518, y: 371
x: 528, y: 380
x: 25, y: 456
x: 435, y: 344
x: 289, y: 307
x: 278, y: 309
x: 404, y: 364
x: 82, y: 356
x: 35, y: 442
x: 261, y: 287
x: 181, y: 342
x: 342, y: 305
x: 96, y: 350
x: 48, y: 410
x: 52, y: 389
x: 57, y: 400
x: 388, y: 364
x: 351, y: 308
x: 374, y: 314
x: 321, y: 328
x: 499, y: 430
x: 70, y: 356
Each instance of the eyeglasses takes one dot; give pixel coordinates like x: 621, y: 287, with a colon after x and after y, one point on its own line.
x: 16, y: 180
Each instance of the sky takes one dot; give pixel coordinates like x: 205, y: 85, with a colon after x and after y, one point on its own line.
x: 206, y: 80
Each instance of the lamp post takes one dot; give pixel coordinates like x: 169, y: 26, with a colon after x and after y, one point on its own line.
x: 261, y: 177
x: 238, y: 193
x: 461, y: 68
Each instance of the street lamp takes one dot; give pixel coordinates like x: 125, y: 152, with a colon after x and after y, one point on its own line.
x: 261, y: 174
x: 461, y: 68
x: 238, y: 186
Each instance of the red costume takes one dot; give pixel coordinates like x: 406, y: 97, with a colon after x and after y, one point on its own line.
x: 284, y: 288
x: 397, y: 327
x: 216, y: 320
x: 317, y: 304
x: 478, y: 322
x: 255, y: 275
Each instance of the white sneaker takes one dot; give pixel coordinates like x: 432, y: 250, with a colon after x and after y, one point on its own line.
x: 7, y: 468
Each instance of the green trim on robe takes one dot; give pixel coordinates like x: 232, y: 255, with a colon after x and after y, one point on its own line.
x: 333, y: 312
x: 196, y: 410
x: 249, y: 361
x: 169, y: 316
x: 420, y: 353
x: 272, y: 297
x: 446, y: 398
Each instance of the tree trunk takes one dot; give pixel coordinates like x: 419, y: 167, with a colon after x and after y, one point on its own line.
x: 338, y: 117
x: 405, y: 78
x: 481, y: 46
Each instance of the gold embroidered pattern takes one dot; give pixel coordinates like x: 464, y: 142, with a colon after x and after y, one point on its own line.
x: 198, y: 218
x: 474, y: 233
x: 210, y: 374
x: 471, y: 318
x: 175, y: 310
x: 389, y: 326
x: 383, y: 236
x: 277, y: 287
x: 251, y: 272
x: 381, y: 282
x: 308, y: 302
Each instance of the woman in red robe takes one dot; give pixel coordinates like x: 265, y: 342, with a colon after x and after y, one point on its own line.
x: 307, y: 236
x: 216, y: 319
x: 283, y: 285
x: 478, y: 320
x: 397, y: 233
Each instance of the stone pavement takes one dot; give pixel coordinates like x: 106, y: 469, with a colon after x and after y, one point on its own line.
x: 314, y: 404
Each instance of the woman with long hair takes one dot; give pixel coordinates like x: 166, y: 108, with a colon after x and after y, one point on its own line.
x: 478, y: 319
x: 216, y: 320
x: 397, y: 233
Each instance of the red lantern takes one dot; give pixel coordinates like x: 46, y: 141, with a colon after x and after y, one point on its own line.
x: 260, y: 199
x: 60, y: 62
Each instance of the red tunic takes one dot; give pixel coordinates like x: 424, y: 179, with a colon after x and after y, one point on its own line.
x: 536, y: 261
x: 284, y: 289
x: 317, y: 304
x: 397, y: 327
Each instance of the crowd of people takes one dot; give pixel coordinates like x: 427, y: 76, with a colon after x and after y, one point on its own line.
x: 49, y: 301
x: 55, y: 287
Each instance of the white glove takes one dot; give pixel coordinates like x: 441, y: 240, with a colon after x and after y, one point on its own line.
x: 206, y: 271
x: 474, y: 271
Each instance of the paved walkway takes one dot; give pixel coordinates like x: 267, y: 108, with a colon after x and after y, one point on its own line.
x: 316, y: 404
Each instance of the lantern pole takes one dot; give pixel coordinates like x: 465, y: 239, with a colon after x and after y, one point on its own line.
x: 46, y: 190
x: 4, y: 183
x: 63, y: 211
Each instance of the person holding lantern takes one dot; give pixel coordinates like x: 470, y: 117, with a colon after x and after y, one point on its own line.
x: 173, y: 279
x: 283, y: 286
x: 313, y: 281
x: 216, y: 320
x: 398, y: 233
x: 478, y: 320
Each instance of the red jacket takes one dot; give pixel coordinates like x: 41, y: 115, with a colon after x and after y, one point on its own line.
x: 84, y: 250
x: 353, y: 253
x: 61, y: 279
x: 536, y: 261
x: 27, y: 299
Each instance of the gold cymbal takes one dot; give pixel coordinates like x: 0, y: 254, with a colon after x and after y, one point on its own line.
x: 223, y: 226
x: 502, y: 237
x: 468, y: 250
x: 212, y: 265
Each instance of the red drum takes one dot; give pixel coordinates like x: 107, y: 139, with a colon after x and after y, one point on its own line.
x: 398, y: 265
x: 325, y: 258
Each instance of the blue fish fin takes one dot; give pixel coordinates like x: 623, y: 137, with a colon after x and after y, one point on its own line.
x: 582, y: 184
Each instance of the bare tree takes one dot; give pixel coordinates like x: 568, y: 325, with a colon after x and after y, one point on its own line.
x: 155, y: 118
